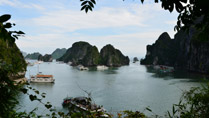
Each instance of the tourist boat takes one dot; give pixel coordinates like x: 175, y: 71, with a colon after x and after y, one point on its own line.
x: 79, y: 104
x: 81, y: 67
x: 102, y: 67
x: 41, y: 78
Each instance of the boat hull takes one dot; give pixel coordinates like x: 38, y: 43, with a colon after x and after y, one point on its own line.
x: 32, y: 81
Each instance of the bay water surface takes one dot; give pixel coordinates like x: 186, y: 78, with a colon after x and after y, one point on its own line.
x: 132, y: 87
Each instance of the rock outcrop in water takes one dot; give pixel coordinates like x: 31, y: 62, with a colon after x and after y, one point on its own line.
x: 58, y: 53
x: 135, y: 59
x: 92, y: 57
x: 186, y: 51
x: 113, y: 57
x: 45, y: 58
x: 81, y: 53
x: 88, y: 55
x: 33, y: 55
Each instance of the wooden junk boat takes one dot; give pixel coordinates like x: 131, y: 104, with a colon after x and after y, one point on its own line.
x: 79, y: 104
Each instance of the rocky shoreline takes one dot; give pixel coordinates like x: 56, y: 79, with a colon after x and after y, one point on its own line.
x: 186, y: 51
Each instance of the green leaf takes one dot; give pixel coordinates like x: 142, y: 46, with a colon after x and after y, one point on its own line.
x: 5, y: 18
x: 93, y: 1
x: 142, y: 1
x: 8, y: 25
x: 20, y: 32
x: 86, y: 9
x: 171, y: 7
x: 169, y: 114
x: 179, y: 7
x: 84, y: 3
x: 174, y: 111
x: 184, y: 1
x: 92, y: 5
x: 15, y: 36
x: 37, y: 92
x: 82, y: 8
x: 48, y: 106
x: 24, y: 90
x: 148, y: 109
x: 89, y: 7
x: 31, y: 97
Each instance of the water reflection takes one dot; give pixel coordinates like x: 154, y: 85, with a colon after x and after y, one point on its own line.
x: 42, y: 85
x: 177, y: 74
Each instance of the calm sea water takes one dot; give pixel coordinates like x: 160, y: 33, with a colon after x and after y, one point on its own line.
x: 132, y: 87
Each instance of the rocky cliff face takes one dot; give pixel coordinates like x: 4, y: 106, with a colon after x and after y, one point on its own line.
x: 58, y: 53
x: 113, y: 57
x: 185, y: 51
x: 81, y: 53
x: 11, y: 55
x: 45, y: 58
x: 135, y: 59
x: 92, y: 57
x: 88, y: 55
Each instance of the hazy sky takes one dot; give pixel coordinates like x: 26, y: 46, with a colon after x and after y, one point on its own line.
x: 51, y: 24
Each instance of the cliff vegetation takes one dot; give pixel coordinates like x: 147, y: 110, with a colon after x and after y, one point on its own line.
x: 88, y: 55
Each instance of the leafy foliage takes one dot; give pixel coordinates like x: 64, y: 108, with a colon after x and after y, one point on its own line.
x: 193, y: 104
x: 131, y: 114
x: 11, y: 62
x: 10, y: 36
x: 8, y: 91
x: 87, y: 5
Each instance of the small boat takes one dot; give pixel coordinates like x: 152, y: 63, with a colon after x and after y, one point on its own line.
x: 79, y: 104
x: 164, y: 69
x: 81, y: 67
x: 38, y: 62
x: 41, y: 78
x: 30, y: 64
x: 102, y: 67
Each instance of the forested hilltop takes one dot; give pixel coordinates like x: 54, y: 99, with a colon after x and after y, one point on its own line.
x: 88, y: 55
x: 34, y: 55
x: 58, y: 53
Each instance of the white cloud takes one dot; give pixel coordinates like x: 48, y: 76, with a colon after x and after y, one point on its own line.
x: 53, y: 28
x: 69, y: 21
x: 18, y: 4
x: 7, y: 2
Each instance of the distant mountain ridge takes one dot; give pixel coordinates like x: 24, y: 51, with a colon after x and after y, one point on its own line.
x: 45, y: 58
x: 34, y: 55
x: 58, y: 53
